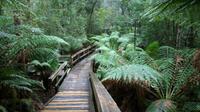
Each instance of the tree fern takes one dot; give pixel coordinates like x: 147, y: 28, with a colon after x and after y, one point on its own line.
x: 100, y: 39
x: 136, y: 56
x: 73, y: 47
x: 167, y: 52
x: 186, y: 10
x: 133, y: 72
x: 162, y: 105
x: 167, y: 73
x: 33, y: 46
x: 109, y: 58
x: 36, y: 66
x: 111, y: 41
x: 17, y: 82
x: 164, y: 65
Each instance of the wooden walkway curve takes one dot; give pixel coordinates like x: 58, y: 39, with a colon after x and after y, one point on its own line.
x: 80, y: 90
x: 74, y: 93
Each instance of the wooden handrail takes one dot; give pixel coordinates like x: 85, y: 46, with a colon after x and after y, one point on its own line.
x: 81, y: 51
x: 56, y: 73
x: 64, y: 66
x: 62, y: 77
x: 81, y: 54
x: 104, y: 102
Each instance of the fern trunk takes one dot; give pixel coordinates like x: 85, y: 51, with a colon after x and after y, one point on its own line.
x: 89, y: 28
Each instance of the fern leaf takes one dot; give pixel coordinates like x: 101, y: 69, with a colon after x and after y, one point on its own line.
x: 162, y: 106
x: 132, y: 72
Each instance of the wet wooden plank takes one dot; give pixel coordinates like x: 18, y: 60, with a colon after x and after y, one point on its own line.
x: 78, y: 78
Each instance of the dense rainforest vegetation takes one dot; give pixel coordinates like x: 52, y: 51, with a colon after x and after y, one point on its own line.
x: 148, y: 50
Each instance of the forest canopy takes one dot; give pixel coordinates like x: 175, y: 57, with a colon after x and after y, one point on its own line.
x: 147, y: 52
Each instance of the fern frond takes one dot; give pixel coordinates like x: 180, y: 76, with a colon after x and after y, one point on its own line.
x: 167, y: 52
x: 191, y: 107
x: 165, y: 65
x: 18, y: 82
x: 174, y: 77
x: 42, y: 54
x: 162, y: 106
x: 31, y: 44
x: 72, y: 46
x: 109, y: 58
x: 132, y: 72
x: 137, y: 56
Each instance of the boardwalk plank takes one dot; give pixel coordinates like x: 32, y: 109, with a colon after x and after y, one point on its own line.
x: 73, y: 94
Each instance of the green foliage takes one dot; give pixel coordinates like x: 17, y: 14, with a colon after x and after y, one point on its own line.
x: 112, y: 41
x: 167, y: 52
x: 2, y: 109
x: 162, y: 106
x: 109, y: 59
x: 62, y: 18
x: 173, y: 80
x: 167, y: 73
x: 35, y: 66
x: 17, y: 82
x: 152, y: 49
x: 32, y: 46
x: 74, y: 43
x: 183, y: 12
x: 137, y: 56
x: 133, y: 72
x: 119, y: 61
x: 4, y: 21
x: 27, y: 29
x: 191, y: 107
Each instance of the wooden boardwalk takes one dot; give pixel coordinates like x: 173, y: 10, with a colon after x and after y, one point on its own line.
x: 74, y: 94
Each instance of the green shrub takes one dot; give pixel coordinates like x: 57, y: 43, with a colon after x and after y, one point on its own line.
x: 74, y: 44
x: 152, y: 49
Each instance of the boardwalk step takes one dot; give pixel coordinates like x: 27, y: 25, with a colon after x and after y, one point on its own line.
x: 81, y: 107
x: 69, y: 102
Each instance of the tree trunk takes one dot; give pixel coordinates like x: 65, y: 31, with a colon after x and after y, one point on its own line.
x: 89, y: 28
x: 178, y: 37
x: 1, y: 8
x: 122, y: 8
x: 28, y: 16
